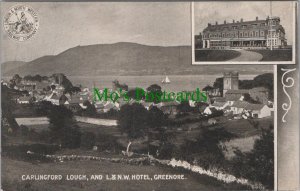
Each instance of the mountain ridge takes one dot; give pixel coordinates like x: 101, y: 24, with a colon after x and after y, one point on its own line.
x: 121, y: 58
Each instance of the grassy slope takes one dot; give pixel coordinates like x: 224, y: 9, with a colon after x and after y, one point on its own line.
x: 215, y: 55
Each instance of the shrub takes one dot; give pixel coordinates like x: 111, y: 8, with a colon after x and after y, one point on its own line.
x: 88, y: 140
x: 205, y: 150
x: 24, y: 130
x: 71, y: 137
x: 258, y: 164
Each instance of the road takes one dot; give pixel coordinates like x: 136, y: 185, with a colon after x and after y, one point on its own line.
x: 247, y: 56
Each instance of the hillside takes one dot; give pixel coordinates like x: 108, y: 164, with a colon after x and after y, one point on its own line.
x: 117, y: 59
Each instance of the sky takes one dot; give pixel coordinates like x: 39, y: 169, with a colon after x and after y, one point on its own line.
x: 211, y: 12
x: 66, y: 25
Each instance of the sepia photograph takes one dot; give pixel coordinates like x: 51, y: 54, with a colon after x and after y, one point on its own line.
x: 243, y: 32
x: 106, y: 96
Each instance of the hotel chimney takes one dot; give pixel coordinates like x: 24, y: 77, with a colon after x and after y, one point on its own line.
x: 256, y: 18
x: 216, y: 22
x: 241, y: 20
x: 225, y: 22
x: 233, y: 21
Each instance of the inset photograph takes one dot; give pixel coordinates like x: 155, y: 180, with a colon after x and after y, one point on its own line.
x: 243, y: 32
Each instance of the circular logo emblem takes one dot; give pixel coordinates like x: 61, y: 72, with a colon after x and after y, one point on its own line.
x: 21, y: 23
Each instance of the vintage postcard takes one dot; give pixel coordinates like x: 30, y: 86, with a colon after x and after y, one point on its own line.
x: 107, y: 96
x: 243, y: 32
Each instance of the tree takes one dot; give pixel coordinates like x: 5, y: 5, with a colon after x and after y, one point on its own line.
x: 207, y: 88
x: 219, y: 84
x: 156, y: 117
x: 43, y: 108
x: 249, y: 99
x: 16, y: 78
x: 63, y: 98
x: 258, y: 164
x: 90, y: 109
x: 75, y: 89
x: 184, y: 107
x: 61, y: 79
x: 52, y: 87
x: 88, y: 140
x: 205, y: 150
x: 154, y: 90
x: 63, y: 127
x: 132, y: 120
x: 117, y: 85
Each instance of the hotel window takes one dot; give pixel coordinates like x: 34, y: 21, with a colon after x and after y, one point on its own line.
x: 244, y: 26
x: 241, y: 34
x: 246, y: 34
x: 263, y: 24
x: 256, y: 33
x: 234, y: 27
x: 262, y: 33
x: 251, y: 34
x: 223, y: 35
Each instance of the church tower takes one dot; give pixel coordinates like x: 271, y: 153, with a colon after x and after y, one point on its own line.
x: 230, y: 81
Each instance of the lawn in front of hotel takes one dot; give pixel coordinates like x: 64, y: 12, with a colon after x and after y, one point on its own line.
x: 203, y: 55
x: 276, y: 54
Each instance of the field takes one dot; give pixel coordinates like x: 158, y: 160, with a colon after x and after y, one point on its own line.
x: 276, y: 55
x: 215, y: 55
x: 244, y: 128
x: 14, y: 169
x: 243, y: 144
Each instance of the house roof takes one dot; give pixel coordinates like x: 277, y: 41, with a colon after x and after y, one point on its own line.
x: 25, y: 98
x: 75, y: 99
x: 254, y: 106
x: 109, y: 105
x: 219, y: 99
x: 218, y: 104
x: 232, y: 97
x: 170, y: 103
x: 99, y: 105
x: 247, y: 106
x: 240, y: 104
x: 235, y: 95
x: 241, y: 91
x: 146, y: 104
x: 259, y: 89
x: 54, y: 96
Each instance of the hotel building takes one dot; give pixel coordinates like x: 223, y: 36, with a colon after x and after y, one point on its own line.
x: 257, y: 34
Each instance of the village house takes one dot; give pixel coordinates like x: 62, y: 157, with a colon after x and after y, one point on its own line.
x: 219, y: 103
x: 250, y: 109
x: 232, y: 96
x: 259, y: 110
x: 25, y: 100
x: 211, y: 91
x: 53, y: 98
x: 169, y: 108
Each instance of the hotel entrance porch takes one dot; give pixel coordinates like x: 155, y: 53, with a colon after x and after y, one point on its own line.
x: 248, y: 44
x: 237, y: 44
